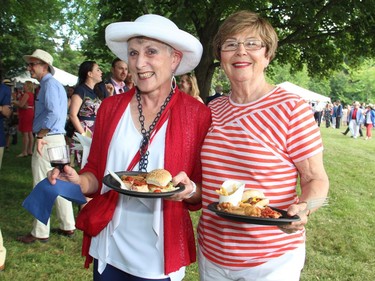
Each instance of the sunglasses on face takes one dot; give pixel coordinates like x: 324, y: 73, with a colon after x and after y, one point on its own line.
x: 31, y: 64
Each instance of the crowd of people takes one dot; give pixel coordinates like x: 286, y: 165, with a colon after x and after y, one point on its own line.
x: 143, y: 118
x: 356, y: 117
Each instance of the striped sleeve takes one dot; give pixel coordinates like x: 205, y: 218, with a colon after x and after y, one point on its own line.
x: 304, y: 139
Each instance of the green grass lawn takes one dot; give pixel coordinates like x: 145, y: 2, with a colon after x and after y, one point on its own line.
x: 340, y: 237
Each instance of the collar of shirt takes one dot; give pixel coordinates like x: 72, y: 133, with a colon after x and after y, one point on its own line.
x: 119, y: 87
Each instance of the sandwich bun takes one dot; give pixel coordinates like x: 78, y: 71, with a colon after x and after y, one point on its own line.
x: 159, y: 178
x: 255, y: 198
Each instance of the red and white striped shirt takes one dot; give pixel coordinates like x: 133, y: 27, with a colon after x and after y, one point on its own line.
x: 255, y: 143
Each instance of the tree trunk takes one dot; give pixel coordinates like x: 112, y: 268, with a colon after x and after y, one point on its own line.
x: 206, y: 68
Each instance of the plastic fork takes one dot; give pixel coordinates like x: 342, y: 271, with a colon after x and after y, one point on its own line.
x: 118, y: 179
x: 315, y: 203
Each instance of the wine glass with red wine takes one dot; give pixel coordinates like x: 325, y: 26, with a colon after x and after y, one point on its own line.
x: 59, y: 156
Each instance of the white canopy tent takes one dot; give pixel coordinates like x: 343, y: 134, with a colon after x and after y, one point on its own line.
x: 62, y: 76
x: 304, y: 93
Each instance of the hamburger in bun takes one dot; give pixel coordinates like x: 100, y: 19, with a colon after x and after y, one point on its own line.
x: 255, y: 198
x: 159, y: 180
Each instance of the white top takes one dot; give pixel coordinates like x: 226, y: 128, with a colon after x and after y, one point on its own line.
x: 133, y: 240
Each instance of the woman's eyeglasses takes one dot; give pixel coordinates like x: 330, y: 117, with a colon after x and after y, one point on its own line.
x: 250, y: 45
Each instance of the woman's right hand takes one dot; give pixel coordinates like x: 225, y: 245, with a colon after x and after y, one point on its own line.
x: 69, y: 174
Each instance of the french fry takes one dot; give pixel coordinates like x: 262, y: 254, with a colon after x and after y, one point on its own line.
x: 222, y: 191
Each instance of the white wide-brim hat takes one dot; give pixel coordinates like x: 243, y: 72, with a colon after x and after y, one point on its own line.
x: 159, y: 28
x: 43, y: 56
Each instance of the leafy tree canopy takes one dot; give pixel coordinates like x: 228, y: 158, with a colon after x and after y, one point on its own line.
x: 319, y: 34
x: 51, y: 25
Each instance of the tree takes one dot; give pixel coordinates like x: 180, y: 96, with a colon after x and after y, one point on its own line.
x: 356, y: 84
x: 318, y: 34
x: 51, y: 25
x: 22, y: 31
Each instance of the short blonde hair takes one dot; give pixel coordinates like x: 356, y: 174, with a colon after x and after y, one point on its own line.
x: 240, y: 21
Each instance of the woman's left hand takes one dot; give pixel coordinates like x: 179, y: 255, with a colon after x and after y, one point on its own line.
x: 183, y: 179
x: 314, y: 184
x: 300, y: 210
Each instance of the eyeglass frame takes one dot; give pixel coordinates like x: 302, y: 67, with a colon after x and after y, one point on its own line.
x: 32, y: 64
x: 238, y: 43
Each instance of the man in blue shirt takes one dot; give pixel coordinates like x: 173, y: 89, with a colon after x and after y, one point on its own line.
x: 5, y: 111
x: 49, y: 122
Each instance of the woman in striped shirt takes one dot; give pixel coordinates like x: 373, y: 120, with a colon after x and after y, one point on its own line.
x: 266, y: 137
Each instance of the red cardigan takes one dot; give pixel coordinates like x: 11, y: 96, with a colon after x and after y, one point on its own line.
x: 188, y: 122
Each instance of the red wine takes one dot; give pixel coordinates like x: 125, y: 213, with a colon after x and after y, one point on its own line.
x: 60, y: 164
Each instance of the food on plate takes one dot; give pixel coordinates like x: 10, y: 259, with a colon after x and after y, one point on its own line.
x: 252, y: 211
x: 223, y: 190
x: 245, y: 209
x: 253, y: 203
x: 268, y: 212
x: 229, y: 187
x: 158, y: 180
x: 136, y: 183
x: 255, y: 198
x: 231, y: 191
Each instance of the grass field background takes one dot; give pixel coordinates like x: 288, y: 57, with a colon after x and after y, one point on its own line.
x: 340, y: 237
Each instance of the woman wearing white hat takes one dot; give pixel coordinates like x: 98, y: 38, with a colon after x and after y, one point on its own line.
x: 154, y: 125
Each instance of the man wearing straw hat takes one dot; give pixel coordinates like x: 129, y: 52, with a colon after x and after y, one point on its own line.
x: 48, y: 126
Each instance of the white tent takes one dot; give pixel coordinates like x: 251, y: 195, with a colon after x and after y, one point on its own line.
x: 304, y: 93
x: 62, y: 76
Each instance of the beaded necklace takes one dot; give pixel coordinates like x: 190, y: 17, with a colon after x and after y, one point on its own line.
x: 143, y: 148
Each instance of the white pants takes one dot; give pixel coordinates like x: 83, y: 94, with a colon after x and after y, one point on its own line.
x: 40, y: 165
x: 354, y: 128
x: 3, y: 251
x: 333, y: 122
x: 285, y: 268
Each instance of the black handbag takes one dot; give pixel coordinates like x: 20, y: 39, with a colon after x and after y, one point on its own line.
x: 69, y: 128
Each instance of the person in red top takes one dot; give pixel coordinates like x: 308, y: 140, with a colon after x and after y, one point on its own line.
x: 267, y: 138
x: 154, y: 125
x: 25, y: 106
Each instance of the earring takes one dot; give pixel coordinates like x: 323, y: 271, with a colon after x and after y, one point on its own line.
x: 173, y: 83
